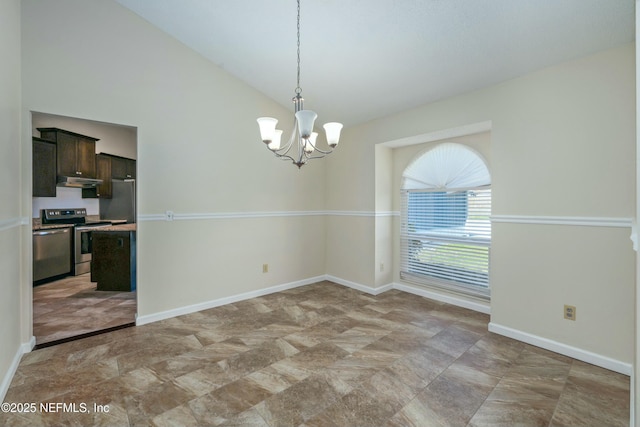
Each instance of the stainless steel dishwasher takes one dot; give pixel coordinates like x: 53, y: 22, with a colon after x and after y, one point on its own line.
x: 51, y: 252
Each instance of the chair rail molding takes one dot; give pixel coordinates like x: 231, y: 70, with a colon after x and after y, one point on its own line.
x: 183, y: 216
x: 618, y: 222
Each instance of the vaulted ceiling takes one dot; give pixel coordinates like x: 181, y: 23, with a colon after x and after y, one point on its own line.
x: 363, y: 59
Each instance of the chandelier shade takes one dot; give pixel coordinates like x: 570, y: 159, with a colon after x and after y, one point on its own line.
x: 301, y: 146
x: 306, y: 119
x: 275, y: 142
x: 267, y: 128
x: 333, y: 133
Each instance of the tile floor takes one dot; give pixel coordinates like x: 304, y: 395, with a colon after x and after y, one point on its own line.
x: 72, y: 306
x: 318, y: 355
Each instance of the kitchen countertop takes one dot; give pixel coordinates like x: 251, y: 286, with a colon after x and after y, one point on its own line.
x: 37, y: 225
x: 118, y: 227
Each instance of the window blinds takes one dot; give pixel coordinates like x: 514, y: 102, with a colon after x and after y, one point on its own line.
x: 446, y: 238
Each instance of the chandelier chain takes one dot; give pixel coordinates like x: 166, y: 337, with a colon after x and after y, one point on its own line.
x: 298, y: 89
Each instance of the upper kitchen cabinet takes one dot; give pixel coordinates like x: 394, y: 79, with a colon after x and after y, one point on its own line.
x: 110, y: 167
x: 44, y: 168
x: 123, y: 168
x: 104, y: 169
x: 76, y: 154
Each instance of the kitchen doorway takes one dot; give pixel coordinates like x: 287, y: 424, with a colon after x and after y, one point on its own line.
x: 81, y: 288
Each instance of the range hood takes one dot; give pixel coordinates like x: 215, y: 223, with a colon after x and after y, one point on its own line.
x: 78, y: 182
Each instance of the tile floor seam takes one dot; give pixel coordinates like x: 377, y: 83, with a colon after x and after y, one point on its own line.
x: 484, y: 400
x: 511, y: 364
x: 435, y: 378
x: 564, y: 386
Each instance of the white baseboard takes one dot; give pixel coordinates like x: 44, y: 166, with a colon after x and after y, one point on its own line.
x: 28, y: 346
x: 567, y: 350
x: 357, y: 286
x: 449, y: 299
x: 8, y: 376
x: 150, y: 318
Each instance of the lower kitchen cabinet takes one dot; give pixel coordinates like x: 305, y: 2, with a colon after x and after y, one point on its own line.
x: 113, y: 260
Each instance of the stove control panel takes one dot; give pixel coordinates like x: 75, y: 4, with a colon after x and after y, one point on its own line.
x: 63, y: 215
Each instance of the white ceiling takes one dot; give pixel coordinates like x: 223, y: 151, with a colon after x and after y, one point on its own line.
x: 363, y: 59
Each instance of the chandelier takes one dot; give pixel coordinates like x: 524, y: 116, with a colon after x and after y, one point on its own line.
x: 301, y: 146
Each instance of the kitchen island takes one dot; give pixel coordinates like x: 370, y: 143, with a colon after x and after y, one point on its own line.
x: 113, y: 262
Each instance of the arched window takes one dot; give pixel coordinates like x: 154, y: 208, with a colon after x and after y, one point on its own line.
x: 445, y: 228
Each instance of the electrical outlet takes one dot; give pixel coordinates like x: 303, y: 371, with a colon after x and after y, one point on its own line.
x: 570, y: 312
x: 381, y: 267
x: 265, y: 268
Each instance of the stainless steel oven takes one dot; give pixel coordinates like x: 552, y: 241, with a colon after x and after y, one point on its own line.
x: 82, y: 246
x: 81, y: 236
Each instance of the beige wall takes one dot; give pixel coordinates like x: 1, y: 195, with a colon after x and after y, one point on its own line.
x: 562, y: 144
x: 213, y: 263
x: 199, y: 152
x: 11, y: 249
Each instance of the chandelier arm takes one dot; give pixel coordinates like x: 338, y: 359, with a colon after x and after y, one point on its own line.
x: 282, y: 154
x: 285, y: 157
x: 284, y: 150
x: 321, y: 151
x: 292, y: 138
x: 319, y: 157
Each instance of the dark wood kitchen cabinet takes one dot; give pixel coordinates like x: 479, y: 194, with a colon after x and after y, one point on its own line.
x: 76, y: 154
x: 110, y: 167
x: 103, y: 171
x: 113, y: 260
x: 44, y: 168
x: 123, y: 168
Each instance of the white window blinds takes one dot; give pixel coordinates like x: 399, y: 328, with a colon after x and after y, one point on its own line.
x: 446, y: 232
x: 447, y: 237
